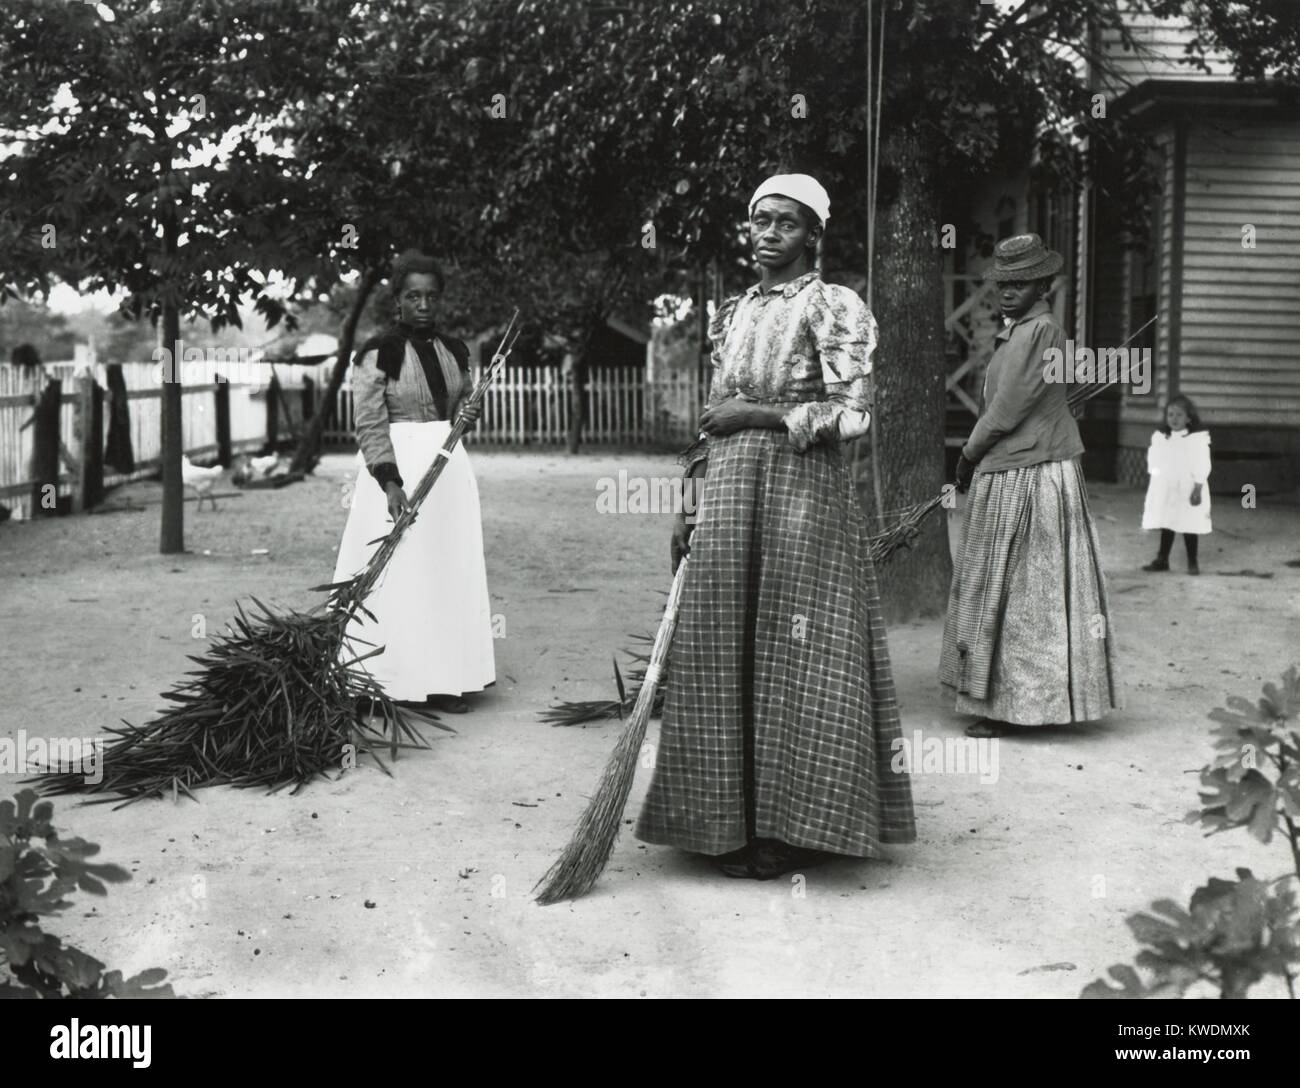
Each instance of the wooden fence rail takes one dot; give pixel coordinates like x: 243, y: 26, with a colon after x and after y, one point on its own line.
x: 100, y: 425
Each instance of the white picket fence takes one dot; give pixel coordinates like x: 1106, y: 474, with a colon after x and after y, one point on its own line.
x: 532, y: 406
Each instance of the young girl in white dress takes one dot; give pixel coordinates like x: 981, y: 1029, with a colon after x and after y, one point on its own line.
x: 1178, y: 500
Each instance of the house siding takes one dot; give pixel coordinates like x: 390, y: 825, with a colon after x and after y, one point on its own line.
x: 1241, y: 310
x: 1238, y: 354
x: 1160, y: 47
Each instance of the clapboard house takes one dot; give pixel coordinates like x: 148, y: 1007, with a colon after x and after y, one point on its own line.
x: 1218, y: 264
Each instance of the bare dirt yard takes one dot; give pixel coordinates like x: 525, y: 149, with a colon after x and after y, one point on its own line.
x: 420, y: 884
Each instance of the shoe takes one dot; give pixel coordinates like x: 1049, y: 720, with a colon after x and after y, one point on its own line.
x: 768, y: 859
x: 451, y: 704
x: 1157, y: 564
x: 1193, y: 568
x: 986, y: 727
x: 733, y: 858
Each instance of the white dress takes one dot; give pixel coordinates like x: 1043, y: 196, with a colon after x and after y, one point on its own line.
x: 1177, y: 462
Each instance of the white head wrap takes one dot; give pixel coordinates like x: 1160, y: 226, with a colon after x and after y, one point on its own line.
x: 801, y: 187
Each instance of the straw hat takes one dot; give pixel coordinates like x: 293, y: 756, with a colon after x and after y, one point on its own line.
x: 1023, y: 257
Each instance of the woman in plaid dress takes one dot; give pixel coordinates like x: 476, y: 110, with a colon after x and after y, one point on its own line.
x: 779, y: 716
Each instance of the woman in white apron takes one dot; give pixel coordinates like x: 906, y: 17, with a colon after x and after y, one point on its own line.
x: 431, y: 609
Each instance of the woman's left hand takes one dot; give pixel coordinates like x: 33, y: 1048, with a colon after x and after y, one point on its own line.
x: 470, y: 413
x: 1196, y: 494
x: 728, y: 417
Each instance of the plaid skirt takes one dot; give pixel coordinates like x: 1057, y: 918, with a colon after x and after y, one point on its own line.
x: 780, y: 714
x: 1028, y: 638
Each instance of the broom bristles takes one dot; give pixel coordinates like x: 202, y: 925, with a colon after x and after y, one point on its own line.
x: 584, y: 858
x: 592, y: 841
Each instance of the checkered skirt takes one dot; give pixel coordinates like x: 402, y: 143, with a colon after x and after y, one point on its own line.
x: 780, y: 625
x: 1028, y: 638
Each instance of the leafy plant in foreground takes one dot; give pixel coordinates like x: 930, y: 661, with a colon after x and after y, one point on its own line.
x: 1233, y: 934
x: 38, y: 870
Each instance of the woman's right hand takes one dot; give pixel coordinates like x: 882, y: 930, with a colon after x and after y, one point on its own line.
x: 396, y: 500
x: 681, y: 542
x: 965, y: 473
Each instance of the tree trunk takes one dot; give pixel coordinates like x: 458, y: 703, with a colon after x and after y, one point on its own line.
x: 172, y: 439
x: 577, y: 401
x: 172, y: 536
x: 909, y: 374
x: 308, y: 451
x: 578, y: 390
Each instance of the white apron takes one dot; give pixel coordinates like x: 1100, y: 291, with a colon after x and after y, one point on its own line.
x: 431, y: 607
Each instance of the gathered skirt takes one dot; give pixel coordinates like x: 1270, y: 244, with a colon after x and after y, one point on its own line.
x: 431, y: 607
x: 780, y: 713
x: 1028, y: 637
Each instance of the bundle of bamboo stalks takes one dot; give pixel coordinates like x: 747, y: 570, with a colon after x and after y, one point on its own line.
x: 275, y: 702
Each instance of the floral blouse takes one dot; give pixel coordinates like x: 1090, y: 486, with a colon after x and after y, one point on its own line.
x: 805, y: 345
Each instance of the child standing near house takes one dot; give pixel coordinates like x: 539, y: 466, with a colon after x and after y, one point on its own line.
x: 1178, y: 500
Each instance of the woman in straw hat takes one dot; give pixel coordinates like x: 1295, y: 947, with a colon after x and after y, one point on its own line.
x: 779, y: 707
x: 1028, y: 638
x: 431, y: 609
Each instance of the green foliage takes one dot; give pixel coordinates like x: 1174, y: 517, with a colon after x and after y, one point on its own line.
x: 672, y: 110
x: 378, y: 117
x: 114, y: 126
x: 38, y: 871
x: 1233, y: 933
x: 1254, y: 782
x: 1262, y: 38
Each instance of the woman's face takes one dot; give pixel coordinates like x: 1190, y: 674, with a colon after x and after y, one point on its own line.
x: 1176, y: 417
x: 416, y: 300
x: 1017, y: 296
x: 778, y: 233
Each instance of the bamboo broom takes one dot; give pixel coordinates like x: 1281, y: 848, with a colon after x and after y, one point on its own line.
x: 584, y: 858
x: 273, y: 703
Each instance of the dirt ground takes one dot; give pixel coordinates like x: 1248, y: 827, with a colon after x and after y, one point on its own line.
x: 419, y: 884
